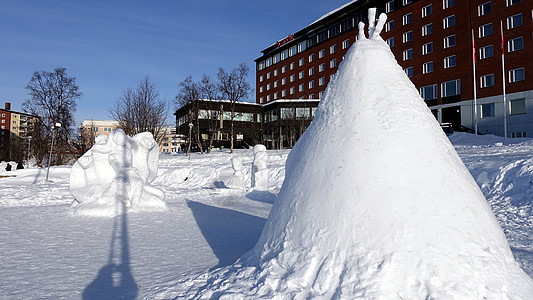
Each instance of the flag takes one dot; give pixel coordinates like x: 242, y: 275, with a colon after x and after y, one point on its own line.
x: 502, y: 47
x: 473, y: 48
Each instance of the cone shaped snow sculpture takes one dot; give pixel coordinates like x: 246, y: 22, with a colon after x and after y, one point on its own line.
x: 376, y: 203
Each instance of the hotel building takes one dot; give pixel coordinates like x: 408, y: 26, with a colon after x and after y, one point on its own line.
x: 432, y: 41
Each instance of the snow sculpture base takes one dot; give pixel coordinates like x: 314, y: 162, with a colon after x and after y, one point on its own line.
x: 114, y: 176
x: 237, y: 180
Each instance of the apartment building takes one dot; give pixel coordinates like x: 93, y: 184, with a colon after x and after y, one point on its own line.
x: 15, y: 133
x: 432, y: 41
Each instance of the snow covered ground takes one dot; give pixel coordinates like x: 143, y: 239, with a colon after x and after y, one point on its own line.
x: 47, y: 253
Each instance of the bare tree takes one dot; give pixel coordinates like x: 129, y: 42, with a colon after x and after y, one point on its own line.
x: 210, y: 91
x: 140, y: 109
x: 234, y: 88
x: 188, y: 94
x: 53, y: 97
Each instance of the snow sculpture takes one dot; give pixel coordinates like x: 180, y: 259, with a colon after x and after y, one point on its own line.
x: 115, y: 174
x: 237, y: 180
x: 394, y: 215
x: 259, y: 168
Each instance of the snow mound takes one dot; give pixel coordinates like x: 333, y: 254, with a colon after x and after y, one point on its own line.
x: 115, y: 174
x: 393, y: 215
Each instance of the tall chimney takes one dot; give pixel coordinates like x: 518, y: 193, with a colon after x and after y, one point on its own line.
x: 8, y: 106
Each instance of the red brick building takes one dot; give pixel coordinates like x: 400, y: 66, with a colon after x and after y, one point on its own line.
x: 432, y: 41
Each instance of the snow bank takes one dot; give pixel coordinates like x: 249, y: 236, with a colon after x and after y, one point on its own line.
x: 115, y: 174
x: 395, y: 214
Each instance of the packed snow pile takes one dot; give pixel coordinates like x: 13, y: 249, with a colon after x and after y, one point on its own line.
x: 259, y: 168
x: 116, y: 174
x: 393, y: 215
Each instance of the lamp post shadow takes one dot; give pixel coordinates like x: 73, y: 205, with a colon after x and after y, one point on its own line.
x: 115, y: 280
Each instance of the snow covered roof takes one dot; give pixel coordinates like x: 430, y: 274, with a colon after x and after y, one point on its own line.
x: 332, y: 12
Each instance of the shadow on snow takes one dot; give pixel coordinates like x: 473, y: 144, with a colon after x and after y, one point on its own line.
x: 229, y: 233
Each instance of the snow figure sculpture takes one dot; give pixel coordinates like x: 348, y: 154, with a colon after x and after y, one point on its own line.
x: 115, y: 174
x: 237, y: 180
x: 259, y: 168
x: 394, y: 215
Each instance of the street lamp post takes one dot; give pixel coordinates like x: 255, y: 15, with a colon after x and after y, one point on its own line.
x: 28, y: 160
x: 56, y: 125
x: 190, y: 135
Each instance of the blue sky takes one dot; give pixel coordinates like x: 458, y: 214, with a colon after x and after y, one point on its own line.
x: 111, y: 45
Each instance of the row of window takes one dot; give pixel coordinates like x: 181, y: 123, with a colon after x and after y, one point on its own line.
x: 426, y: 10
x: 453, y: 87
x: 321, y: 54
x: 292, y: 90
x: 290, y: 113
x: 516, y: 107
x: 301, y: 75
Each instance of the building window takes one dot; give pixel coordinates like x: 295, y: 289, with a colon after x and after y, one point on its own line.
x: 260, y: 89
x: 311, y: 71
x: 519, y: 134
x: 408, y: 54
x: 268, y: 100
x: 451, y: 88
x: 427, y: 29
x: 293, y: 77
x: 283, y: 69
x: 275, y: 84
x: 486, y: 52
x: 518, y: 106
x: 409, y: 71
x: 389, y: 25
x: 284, y: 81
x: 292, y: 90
x: 427, y: 48
x: 311, y: 84
x: 261, y: 78
x: 513, y: 2
x: 292, y: 65
x: 516, y: 75
x: 449, y: 61
x: 429, y: 92
x: 301, y: 62
x: 268, y: 75
x: 389, y: 6
x: 448, y: 22
x: 408, y: 36
x: 485, y: 30
x: 301, y: 75
x: 276, y: 72
x: 311, y: 57
x: 262, y: 100
x: 268, y: 87
x: 321, y: 53
x: 447, y: 3
x: 515, y: 44
x: 322, y: 81
x: 488, y: 110
x: 321, y: 67
x: 407, y: 18
x: 449, y: 41
x: 284, y: 93
x: 346, y: 24
x: 390, y: 42
x: 301, y: 87
x: 427, y: 67
x: 514, y: 21
x: 486, y: 81
x: 485, y: 8
x: 405, y: 2
x: 333, y: 63
x: 332, y: 49
x: 275, y: 96
x: 426, y: 11
x: 345, y: 44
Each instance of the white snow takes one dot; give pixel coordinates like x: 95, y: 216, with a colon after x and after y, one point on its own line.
x: 259, y: 168
x: 47, y: 253
x: 116, y: 174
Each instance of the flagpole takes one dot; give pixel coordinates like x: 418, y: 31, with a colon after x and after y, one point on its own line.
x: 475, y: 84
x: 502, y: 46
